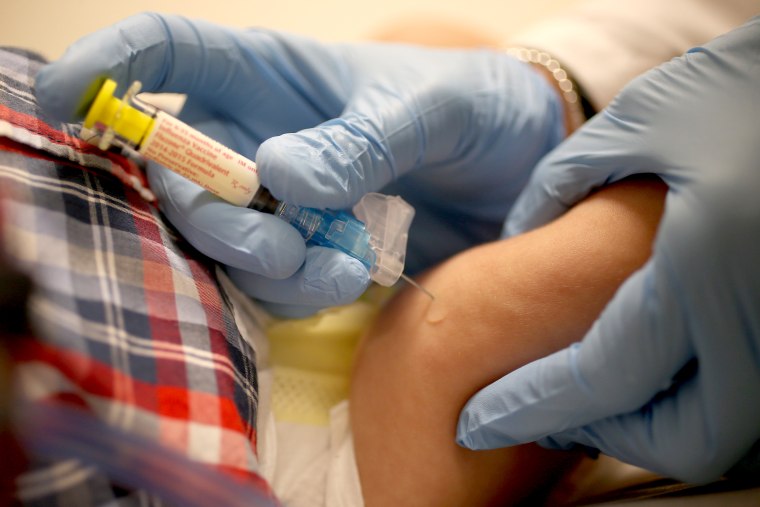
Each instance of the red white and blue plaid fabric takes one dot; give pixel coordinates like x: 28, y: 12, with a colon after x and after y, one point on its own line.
x: 131, y: 323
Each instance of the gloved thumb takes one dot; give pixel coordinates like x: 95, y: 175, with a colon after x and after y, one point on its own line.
x: 329, y: 166
x: 334, y: 164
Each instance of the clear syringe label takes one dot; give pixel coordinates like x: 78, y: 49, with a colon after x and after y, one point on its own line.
x: 202, y: 160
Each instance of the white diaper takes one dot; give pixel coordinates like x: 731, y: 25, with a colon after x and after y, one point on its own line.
x: 309, y: 465
x: 304, y: 442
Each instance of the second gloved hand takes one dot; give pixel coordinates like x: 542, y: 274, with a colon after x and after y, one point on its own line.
x: 668, y: 378
x: 456, y: 133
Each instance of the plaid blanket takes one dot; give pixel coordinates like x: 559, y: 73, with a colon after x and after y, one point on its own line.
x: 131, y: 324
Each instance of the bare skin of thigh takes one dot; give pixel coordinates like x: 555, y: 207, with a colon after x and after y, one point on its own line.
x: 497, y: 307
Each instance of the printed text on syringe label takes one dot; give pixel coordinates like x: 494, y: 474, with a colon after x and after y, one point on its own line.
x: 201, y: 160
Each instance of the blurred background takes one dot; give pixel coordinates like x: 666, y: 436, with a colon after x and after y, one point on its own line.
x: 49, y: 26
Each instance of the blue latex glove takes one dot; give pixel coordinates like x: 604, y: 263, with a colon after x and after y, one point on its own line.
x: 456, y: 133
x: 668, y: 378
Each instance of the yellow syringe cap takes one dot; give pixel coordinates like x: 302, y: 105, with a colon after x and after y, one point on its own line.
x: 111, y: 112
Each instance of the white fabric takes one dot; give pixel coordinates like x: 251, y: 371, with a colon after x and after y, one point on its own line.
x: 315, y: 465
x: 606, y: 43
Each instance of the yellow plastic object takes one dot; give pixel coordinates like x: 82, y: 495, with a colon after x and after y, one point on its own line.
x: 114, y: 113
x: 306, y: 397
x: 322, y: 343
x: 312, y: 358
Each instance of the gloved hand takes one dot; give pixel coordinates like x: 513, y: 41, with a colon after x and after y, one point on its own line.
x: 454, y: 132
x: 668, y: 378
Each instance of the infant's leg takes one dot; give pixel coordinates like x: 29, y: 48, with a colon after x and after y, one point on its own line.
x: 497, y: 307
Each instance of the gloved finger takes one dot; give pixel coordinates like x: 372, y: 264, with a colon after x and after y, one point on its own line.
x: 618, y: 142
x: 254, y: 74
x: 389, y: 129
x: 137, y: 48
x: 597, y: 154
x: 328, y: 277
x: 631, y: 353
x: 702, y: 448
x: 229, y: 234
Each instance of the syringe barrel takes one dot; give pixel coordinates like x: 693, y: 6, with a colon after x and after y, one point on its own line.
x: 160, y: 137
x: 201, y: 159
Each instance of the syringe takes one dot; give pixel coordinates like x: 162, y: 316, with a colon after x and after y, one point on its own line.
x: 158, y: 136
